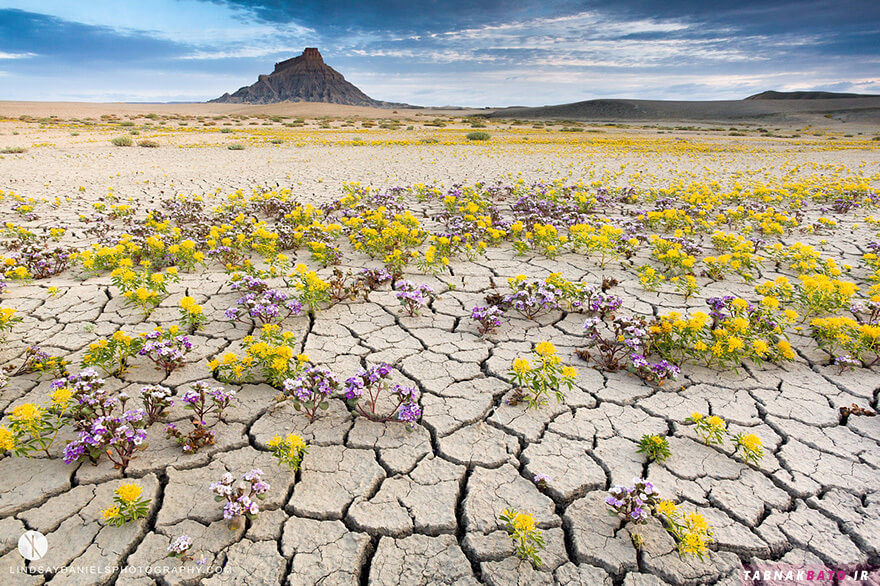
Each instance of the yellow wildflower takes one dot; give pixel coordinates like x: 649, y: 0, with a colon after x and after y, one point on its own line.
x: 129, y: 492
x: 295, y: 443
x: 694, y: 544
x: 666, y: 508
x: 696, y: 523
x: 61, y: 396
x: 524, y: 522
x: 27, y: 413
x: 521, y: 365
x: 7, y: 439
x: 545, y: 349
x: 760, y: 347
x: 751, y: 442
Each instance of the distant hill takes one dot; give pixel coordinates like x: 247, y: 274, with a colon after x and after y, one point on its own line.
x: 865, y: 109
x: 773, y: 95
x: 303, y: 79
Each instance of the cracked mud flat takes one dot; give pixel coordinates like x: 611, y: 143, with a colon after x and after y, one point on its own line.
x: 375, y: 504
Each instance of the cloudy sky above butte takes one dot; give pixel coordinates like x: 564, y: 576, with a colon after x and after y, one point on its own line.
x: 437, y: 52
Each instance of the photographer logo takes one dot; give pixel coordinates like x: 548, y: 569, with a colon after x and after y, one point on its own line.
x: 32, y: 545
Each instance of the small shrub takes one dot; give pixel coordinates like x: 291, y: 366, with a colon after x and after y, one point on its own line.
x: 146, y: 143
x: 128, y: 506
x: 528, y: 540
x: 535, y: 382
x: 236, y: 147
x: 122, y: 141
x: 12, y: 150
x: 655, y: 447
x: 477, y: 136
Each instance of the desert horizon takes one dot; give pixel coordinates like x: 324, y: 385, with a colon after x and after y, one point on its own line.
x: 262, y: 322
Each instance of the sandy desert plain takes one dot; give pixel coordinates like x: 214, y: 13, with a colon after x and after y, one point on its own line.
x: 703, y: 291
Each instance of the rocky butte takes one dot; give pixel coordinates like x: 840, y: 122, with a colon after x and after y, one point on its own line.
x: 303, y: 79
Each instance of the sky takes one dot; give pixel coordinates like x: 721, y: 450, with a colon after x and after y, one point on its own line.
x: 436, y: 52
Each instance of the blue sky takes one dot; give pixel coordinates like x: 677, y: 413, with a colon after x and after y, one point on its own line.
x: 434, y: 52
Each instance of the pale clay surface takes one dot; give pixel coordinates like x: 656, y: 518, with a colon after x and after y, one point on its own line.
x: 375, y: 504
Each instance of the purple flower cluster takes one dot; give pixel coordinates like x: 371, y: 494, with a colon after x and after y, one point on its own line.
x: 42, y: 262
x: 625, y: 346
x: 868, y: 312
x: 261, y: 304
x: 90, y: 399
x: 627, y: 337
x: 635, y: 503
x: 375, y: 277
x: 760, y: 319
x: 311, y: 390
x: 363, y: 390
x: 599, y: 303
x: 654, y: 372
x: 533, y: 298
x: 688, y: 246
x: 167, y: 354
x: 720, y: 306
x: 412, y: 298
x: 535, y: 208
x: 180, y: 546
x: 157, y: 400
x: 227, y: 255
x: 118, y: 437
x: 846, y: 361
x: 38, y: 360
x: 239, y: 499
x: 203, y: 400
x: 365, y: 379
x: 84, y: 382
x: 489, y: 317
x: 408, y: 410
x: 345, y: 286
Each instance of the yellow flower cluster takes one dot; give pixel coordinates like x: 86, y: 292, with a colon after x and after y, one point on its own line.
x: 312, y: 290
x: 7, y: 318
x: 191, y: 313
x: 750, y: 333
x: 129, y: 492
x: 271, y: 352
x: 691, y: 531
x: 547, y: 376
x: 528, y: 540
x: 845, y: 336
x: 607, y: 241
x: 814, y: 294
x: 674, y: 259
x: 288, y: 450
x: 7, y: 439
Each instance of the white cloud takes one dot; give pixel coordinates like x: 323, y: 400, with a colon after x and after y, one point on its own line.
x: 4, y: 55
x: 242, y: 53
x: 189, y: 22
x: 439, y: 56
x: 585, y: 24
